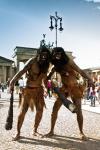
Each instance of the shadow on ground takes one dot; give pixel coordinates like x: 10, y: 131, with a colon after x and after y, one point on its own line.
x: 63, y: 142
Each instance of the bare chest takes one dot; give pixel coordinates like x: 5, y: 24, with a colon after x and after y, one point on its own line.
x: 34, y: 72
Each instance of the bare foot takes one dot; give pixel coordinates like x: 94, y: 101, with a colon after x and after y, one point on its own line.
x: 16, y: 138
x: 83, y: 137
x: 48, y: 134
x: 37, y: 134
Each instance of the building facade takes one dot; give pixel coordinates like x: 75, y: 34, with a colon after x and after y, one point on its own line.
x: 21, y: 55
x: 5, y: 69
x: 94, y: 73
x: 9, y: 68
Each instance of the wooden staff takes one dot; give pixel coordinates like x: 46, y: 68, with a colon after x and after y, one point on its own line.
x: 9, y: 120
x: 67, y: 103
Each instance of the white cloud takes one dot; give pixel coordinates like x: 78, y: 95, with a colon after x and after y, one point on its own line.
x: 95, y: 1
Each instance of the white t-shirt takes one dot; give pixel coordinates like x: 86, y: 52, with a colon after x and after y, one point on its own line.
x: 21, y: 83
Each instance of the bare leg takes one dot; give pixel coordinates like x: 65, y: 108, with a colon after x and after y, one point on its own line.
x: 20, y: 98
x: 21, y: 92
x: 20, y: 120
x: 80, y: 118
x: 38, y: 117
x: 56, y: 108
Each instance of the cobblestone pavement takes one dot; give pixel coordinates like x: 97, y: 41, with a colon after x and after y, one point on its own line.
x: 66, y: 130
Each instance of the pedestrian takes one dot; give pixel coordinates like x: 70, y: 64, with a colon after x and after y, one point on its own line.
x: 98, y: 93
x: 2, y: 87
x: 32, y: 95
x: 49, y: 88
x: 21, y: 83
x: 92, y: 96
x: 17, y: 87
x: 7, y: 84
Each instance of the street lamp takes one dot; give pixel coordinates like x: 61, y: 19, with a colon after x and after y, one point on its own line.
x: 56, y: 18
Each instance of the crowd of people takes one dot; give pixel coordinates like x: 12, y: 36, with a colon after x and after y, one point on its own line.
x: 18, y: 86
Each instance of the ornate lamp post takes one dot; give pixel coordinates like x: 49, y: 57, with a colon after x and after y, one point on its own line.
x: 56, y: 18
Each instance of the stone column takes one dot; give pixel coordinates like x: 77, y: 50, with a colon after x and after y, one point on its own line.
x: 18, y: 63
x: 10, y: 71
x: 4, y: 73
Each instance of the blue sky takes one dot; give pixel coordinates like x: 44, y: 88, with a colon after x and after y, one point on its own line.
x: 23, y: 22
